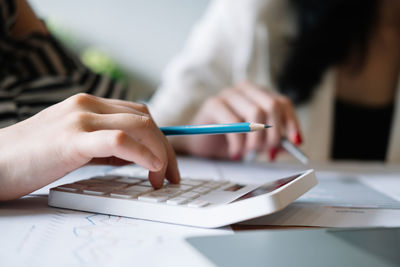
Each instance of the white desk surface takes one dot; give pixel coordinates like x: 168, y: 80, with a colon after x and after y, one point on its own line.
x: 34, y: 234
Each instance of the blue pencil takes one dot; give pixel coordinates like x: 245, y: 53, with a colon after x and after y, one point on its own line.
x: 242, y: 127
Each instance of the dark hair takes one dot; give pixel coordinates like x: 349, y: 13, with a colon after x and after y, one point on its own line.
x: 328, y: 30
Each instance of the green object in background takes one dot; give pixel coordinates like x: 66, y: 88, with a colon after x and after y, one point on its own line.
x: 95, y: 59
x: 101, y: 63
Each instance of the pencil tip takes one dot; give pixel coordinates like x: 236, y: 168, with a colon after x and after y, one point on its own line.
x: 267, y: 126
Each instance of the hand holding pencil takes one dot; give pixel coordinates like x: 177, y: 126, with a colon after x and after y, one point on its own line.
x: 241, y: 103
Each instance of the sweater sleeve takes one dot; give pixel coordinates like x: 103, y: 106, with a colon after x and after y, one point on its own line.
x: 231, y: 43
x: 205, y: 66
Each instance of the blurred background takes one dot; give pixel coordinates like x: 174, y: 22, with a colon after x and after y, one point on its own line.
x: 129, y: 40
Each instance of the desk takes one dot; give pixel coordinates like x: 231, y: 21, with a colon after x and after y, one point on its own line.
x: 34, y: 234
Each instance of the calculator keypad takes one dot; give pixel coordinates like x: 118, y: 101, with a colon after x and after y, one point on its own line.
x: 137, y: 188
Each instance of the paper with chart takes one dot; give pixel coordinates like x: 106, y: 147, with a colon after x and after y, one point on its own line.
x: 30, y: 232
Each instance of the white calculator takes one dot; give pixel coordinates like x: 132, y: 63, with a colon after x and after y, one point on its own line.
x: 194, y: 202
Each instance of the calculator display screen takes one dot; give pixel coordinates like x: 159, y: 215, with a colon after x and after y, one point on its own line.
x: 269, y: 187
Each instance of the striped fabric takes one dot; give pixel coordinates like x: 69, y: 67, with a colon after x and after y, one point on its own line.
x: 38, y: 71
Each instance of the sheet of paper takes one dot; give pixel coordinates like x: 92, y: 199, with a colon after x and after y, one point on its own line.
x: 387, y: 184
x: 34, y: 234
x: 343, y: 200
x: 344, y: 190
x: 328, y: 216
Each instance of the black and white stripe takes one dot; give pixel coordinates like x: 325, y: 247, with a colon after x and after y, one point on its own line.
x: 38, y: 71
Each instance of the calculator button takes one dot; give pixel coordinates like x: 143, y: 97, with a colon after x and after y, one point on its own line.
x: 160, y: 193
x: 179, y: 186
x: 109, y: 186
x: 169, y: 191
x: 88, y: 182
x: 142, y: 189
x: 71, y: 187
x: 129, y: 180
x: 232, y: 187
x: 177, y: 201
x: 105, y: 178
x: 152, y: 197
x: 197, y: 204
x: 145, y: 183
x: 96, y: 182
x: 191, y: 182
x: 95, y: 191
x: 201, y: 190
x: 215, y: 184
x: 125, y: 194
x: 190, y: 195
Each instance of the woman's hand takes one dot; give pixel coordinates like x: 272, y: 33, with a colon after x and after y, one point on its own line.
x: 77, y: 131
x: 244, y: 102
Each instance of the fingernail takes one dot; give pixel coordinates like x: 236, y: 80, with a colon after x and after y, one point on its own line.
x: 272, y: 153
x: 157, y: 163
x: 236, y: 157
x: 297, y: 140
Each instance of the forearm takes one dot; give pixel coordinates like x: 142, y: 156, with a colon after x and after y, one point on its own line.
x: 11, y: 164
x: 27, y: 162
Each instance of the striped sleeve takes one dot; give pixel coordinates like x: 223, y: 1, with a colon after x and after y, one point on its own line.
x: 38, y: 71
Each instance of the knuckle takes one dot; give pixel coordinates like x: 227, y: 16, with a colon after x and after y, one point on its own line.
x: 118, y: 138
x: 80, y: 100
x: 147, y: 122
x: 143, y: 108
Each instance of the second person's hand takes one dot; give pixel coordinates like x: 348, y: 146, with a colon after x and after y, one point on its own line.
x: 244, y: 102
